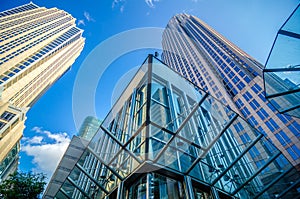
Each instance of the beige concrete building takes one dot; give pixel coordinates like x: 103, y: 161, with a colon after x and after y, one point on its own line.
x: 37, y: 46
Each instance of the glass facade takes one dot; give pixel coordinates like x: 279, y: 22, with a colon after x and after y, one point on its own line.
x: 216, y: 65
x: 282, y: 71
x: 167, y: 138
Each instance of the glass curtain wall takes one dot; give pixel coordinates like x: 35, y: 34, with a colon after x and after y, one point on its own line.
x: 166, y: 138
x: 282, y: 71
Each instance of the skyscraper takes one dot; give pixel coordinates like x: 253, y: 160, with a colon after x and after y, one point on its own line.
x: 37, y: 46
x: 216, y: 65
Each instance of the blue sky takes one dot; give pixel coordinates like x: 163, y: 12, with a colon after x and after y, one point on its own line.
x: 251, y: 25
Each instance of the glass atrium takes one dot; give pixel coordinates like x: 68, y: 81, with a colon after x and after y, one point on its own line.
x: 282, y: 71
x: 166, y: 138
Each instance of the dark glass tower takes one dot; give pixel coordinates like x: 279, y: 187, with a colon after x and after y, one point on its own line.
x: 216, y: 65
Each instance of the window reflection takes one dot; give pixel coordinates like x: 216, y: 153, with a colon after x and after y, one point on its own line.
x: 165, y: 188
x: 138, y: 189
x: 160, y: 187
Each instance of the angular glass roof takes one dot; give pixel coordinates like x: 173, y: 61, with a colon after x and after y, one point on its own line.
x: 164, y: 122
x: 282, y: 71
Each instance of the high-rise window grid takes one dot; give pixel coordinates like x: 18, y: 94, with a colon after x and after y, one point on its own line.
x: 12, y: 44
x: 18, y: 9
x: 236, y: 71
x: 47, y: 51
x: 30, y: 25
x: 30, y: 45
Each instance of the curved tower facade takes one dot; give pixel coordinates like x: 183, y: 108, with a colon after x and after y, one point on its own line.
x: 37, y: 46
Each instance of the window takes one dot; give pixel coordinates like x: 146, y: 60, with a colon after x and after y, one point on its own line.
x: 256, y: 88
x: 247, y: 79
x: 247, y: 96
x: 241, y: 85
x: 270, y: 126
x: 292, y: 153
x: 7, y: 116
x: 282, y: 118
x: 252, y: 121
x: 275, y: 125
x: 245, y: 111
x: 254, y: 104
x: 282, y: 138
x: 293, y: 129
x: 239, y: 103
x: 2, y: 124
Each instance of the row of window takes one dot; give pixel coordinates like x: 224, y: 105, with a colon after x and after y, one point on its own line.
x: 29, y: 26
x: 18, y: 9
x: 47, y: 51
x: 28, y: 46
x: 224, y: 47
x: 20, y: 21
x: 225, y: 69
x: 18, y: 41
x: 48, y: 73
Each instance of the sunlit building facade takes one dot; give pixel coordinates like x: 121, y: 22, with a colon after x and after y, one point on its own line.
x: 167, y: 138
x: 37, y: 46
x: 216, y: 65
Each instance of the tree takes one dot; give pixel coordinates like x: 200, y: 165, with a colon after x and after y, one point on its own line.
x: 21, y: 185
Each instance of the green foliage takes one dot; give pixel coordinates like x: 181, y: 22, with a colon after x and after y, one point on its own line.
x: 23, y: 186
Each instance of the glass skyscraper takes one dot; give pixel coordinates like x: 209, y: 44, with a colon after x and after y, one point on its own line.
x: 167, y: 138
x: 37, y: 46
x: 220, y: 68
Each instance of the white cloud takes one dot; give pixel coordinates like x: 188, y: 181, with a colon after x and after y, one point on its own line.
x: 36, y: 140
x: 37, y: 129
x: 122, y: 8
x: 46, y: 156
x: 80, y: 22
x: 150, y: 3
x: 119, y: 3
x: 88, y: 16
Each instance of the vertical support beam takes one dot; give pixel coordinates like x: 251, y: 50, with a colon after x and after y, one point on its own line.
x: 90, y: 177
x: 214, y: 193
x: 148, y: 178
x: 80, y: 189
x: 65, y: 194
x: 288, y: 189
x: 211, y: 144
x: 237, y: 159
x: 120, y: 194
x: 148, y: 104
x: 189, y: 187
x: 102, y: 162
x: 181, y: 126
x: 256, y: 173
x: 272, y: 183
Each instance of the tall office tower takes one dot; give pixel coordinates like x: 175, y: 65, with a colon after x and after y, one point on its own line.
x: 37, y: 46
x: 216, y: 65
x: 89, y: 127
x: 166, y: 138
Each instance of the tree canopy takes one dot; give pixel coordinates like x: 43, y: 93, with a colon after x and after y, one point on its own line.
x: 21, y: 185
